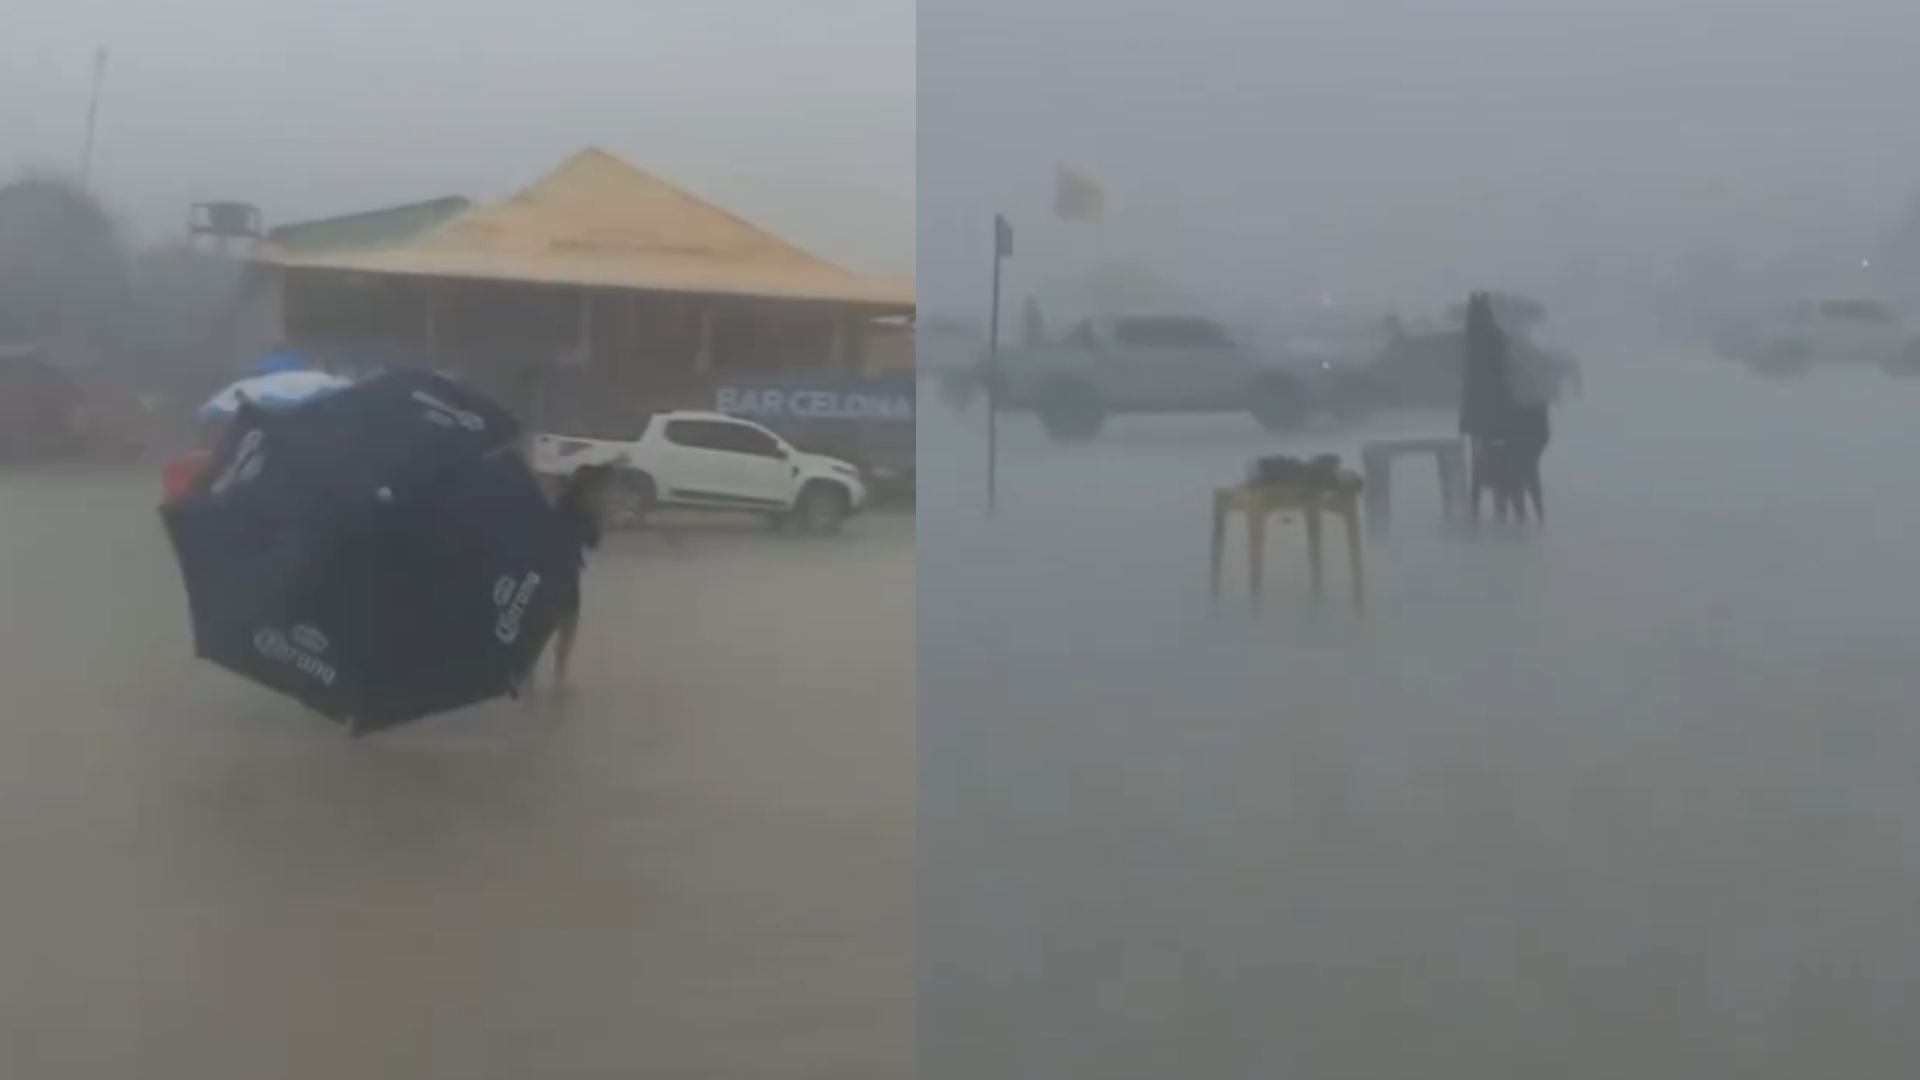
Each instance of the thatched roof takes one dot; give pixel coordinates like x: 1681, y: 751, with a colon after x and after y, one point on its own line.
x: 599, y: 222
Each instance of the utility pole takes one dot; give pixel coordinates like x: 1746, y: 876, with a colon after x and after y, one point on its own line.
x: 93, y: 117
x: 1002, y: 250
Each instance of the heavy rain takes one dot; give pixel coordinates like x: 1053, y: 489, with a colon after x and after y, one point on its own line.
x: 329, y: 746
x: 1629, y: 792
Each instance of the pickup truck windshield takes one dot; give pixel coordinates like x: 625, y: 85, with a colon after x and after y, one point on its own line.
x: 1170, y: 333
x: 1855, y: 311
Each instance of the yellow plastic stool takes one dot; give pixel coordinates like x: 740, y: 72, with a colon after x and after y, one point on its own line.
x: 1256, y: 503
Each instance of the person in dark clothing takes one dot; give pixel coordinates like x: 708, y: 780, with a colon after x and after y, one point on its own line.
x: 1537, y: 377
x: 1531, y: 431
x: 1487, y: 408
x: 1499, y: 469
x: 582, y: 509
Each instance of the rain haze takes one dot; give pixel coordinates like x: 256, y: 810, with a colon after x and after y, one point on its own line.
x: 1385, y: 146
x: 1626, y: 793
x: 308, y: 109
x: 687, y: 854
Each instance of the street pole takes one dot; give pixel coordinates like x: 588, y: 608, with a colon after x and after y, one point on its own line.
x: 1002, y: 249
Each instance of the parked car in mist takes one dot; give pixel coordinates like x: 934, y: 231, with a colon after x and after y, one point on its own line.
x: 1795, y: 338
x: 1151, y: 363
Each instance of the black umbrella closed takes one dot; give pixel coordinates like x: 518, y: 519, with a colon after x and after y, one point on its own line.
x: 380, y: 554
x: 1486, y: 383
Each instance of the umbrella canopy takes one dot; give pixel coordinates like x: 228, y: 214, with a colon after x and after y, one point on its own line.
x: 1537, y: 374
x: 1515, y: 313
x: 281, y: 360
x: 279, y: 390
x: 379, y: 555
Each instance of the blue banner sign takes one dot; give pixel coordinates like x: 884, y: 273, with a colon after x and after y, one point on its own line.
x: 819, y: 399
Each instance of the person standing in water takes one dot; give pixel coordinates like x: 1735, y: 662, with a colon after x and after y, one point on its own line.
x: 1530, y: 430
x: 582, y: 509
x: 1487, y: 409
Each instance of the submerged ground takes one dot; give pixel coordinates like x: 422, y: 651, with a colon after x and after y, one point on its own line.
x: 1634, y: 796
x: 699, y: 865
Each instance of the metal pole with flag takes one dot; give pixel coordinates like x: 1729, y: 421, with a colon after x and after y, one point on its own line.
x: 1002, y: 250
x: 1077, y: 197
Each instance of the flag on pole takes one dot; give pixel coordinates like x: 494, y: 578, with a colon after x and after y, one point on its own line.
x: 1076, y: 197
x: 1002, y: 238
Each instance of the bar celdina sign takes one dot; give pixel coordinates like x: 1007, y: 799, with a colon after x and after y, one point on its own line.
x: 886, y: 400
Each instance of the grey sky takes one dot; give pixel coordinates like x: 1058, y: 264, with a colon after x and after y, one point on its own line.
x: 319, y: 106
x: 1381, y: 147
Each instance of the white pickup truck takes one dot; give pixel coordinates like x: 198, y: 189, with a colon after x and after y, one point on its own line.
x: 712, y: 461
x: 1791, y: 340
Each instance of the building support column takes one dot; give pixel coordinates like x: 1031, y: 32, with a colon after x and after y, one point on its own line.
x: 842, y: 360
x: 433, y: 321
x: 583, y: 336
x: 703, y: 350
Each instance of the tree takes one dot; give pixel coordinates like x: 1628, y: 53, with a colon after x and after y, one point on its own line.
x: 168, y: 318
x: 63, y: 272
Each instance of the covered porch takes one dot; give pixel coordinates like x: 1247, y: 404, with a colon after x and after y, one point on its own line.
x: 588, y: 300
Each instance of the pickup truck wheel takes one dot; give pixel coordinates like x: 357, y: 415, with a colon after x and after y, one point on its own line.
x: 630, y: 498
x: 1348, y: 398
x: 1279, y: 402
x: 1071, y: 409
x: 1788, y: 358
x: 821, y: 508
x: 1905, y: 364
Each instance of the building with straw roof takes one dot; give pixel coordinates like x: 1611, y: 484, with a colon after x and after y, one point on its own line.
x: 596, y: 295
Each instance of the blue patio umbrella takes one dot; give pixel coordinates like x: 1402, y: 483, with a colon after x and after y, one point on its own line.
x: 380, y: 554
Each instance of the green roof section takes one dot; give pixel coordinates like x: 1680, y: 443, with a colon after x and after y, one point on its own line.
x: 372, y: 228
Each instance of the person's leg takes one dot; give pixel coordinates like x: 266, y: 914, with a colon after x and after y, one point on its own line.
x: 1518, y: 480
x: 1513, y: 507
x: 1476, y: 476
x: 1497, y: 475
x: 563, y: 645
x: 1535, y: 489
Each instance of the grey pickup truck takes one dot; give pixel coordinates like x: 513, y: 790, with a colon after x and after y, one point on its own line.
x: 1151, y: 363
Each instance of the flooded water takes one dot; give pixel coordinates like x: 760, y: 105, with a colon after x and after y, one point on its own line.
x: 1633, y: 796
x: 700, y: 864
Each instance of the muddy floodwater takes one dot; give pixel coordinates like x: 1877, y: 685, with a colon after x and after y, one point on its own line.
x: 1635, y: 796
x: 700, y: 864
